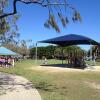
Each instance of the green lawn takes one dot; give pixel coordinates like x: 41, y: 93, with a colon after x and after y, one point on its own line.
x: 59, y: 85
x: 89, y: 62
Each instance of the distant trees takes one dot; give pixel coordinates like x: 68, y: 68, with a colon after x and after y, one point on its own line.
x: 96, y: 51
x: 23, y: 50
x: 55, y: 51
x: 74, y: 50
x: 48, y: 52
x: 20, y: 48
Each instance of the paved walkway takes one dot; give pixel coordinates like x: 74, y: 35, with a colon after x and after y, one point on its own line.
x: 14, y: 87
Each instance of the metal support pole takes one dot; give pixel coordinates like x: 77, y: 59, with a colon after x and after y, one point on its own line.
x: 36, y: 53
x: 62, y: 54
x: 92, y: 57
x: 91, y: 53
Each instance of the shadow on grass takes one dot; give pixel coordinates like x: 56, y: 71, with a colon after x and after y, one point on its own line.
x: 47, y: 87
x: 64, y: 66
x: 44, y: 86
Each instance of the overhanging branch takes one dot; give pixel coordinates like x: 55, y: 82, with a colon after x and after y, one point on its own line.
x: 34, y: 2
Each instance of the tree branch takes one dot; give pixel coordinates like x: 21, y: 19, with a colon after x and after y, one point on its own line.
x: 30, y: 2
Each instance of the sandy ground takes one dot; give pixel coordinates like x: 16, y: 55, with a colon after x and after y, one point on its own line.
x: 65, y: 69
x: 14, y: 87
x: 93, y: 85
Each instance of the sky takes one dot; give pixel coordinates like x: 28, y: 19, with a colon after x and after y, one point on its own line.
x: 32, y: 18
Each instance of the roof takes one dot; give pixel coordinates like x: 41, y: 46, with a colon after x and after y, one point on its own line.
x: 71, y: 39
x: 5, y: 51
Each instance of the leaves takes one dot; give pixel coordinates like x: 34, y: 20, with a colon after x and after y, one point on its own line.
x: 76, y: 17
x: 62, y: 17
x: 8, y: 26
x: 46, y: 24
x: 52, y: 22
x: 3, y: 3
x: 67, y: 21
x: 51, y: 5
x: 64, y: 20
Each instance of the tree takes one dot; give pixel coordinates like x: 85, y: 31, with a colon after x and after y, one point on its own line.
x: 55, y: 51
x: 67, y: 50
x: 8, y: 30
x: 11, y: 46
x: 8, y: 27
x: 20, y: 48
x: 24, y: 49
x: 47, y: 51
x: 96, y: 51
x: 55, y: 7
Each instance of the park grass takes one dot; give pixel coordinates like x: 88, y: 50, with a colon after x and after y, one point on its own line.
x: 91, y: 62
x: 98, y: 63
x: 59, y: 85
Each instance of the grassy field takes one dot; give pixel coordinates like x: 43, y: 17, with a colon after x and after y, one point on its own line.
x: 59, y: 85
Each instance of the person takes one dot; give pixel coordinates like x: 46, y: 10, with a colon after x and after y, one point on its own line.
x: 94, y: 58
x: 12, y: 61
x: 13, y: 64
x: 6, y: 62
x: 2, y: 61
x: 45, y: 60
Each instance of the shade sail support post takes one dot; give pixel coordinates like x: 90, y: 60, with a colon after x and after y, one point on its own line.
x: 92, y: 56
x: 36, y: 54
x: 62, y: 54
x: 91, y: 52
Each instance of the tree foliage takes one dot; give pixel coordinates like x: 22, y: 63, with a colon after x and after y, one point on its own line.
x: 20, y: 47
x: 48, y: 52
x: 55, y: 7
x: 95, y: 51
x: 54, y: 51
x: 8, y: 27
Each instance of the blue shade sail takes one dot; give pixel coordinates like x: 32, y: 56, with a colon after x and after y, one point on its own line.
x: 71, y: 39
x: 5, y: 51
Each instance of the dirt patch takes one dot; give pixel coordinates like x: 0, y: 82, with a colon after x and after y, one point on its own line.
x: 61, y: 69
x: 93, y: 85
x: 55, y: 69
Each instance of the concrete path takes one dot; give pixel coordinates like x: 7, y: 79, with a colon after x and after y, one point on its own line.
x: 14, y: 87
